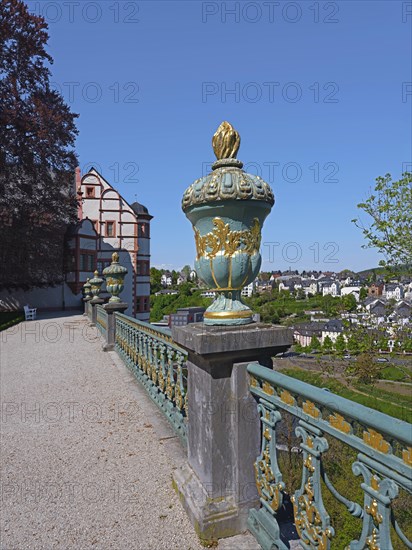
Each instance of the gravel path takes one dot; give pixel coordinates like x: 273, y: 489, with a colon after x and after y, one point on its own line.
x: 86, y: 459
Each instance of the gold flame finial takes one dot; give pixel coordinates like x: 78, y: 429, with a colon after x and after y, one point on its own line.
x: 115, y: 257
x: 226, y: 141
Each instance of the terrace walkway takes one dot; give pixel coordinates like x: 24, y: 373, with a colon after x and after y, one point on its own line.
x: 86, y: 456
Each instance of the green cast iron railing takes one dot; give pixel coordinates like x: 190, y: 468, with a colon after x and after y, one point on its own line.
x: 101, y: 319
x: 384, y: 462
x: 158, y: 363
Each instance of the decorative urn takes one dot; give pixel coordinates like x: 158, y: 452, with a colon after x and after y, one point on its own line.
x: 115, y: 275
x: 87, y: 291
x: 227, y: 209
x: 96, y: 285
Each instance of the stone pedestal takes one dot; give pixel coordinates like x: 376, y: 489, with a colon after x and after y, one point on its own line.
x: 86, y: 307
x: 93, y: 303
x: 217, y: 486
x: 111, y: 308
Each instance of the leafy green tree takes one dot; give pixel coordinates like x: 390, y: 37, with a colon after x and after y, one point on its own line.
x: 37, y: 160
x: 186, y: 270
x: 340, y: 345
x: 365, y: 369
x: 353, y: 344
x: 186, y: 289
x: 300, y: 294
x: 298, y: 348
x: 327, y: 344
x: 390, y: 207
x: 406, y: 344
x: 155, y: 278
x: 330, y: 305
x: 349, y: 302
x: 315, y: 344
x: 275, y: 318
x: 363, y: 293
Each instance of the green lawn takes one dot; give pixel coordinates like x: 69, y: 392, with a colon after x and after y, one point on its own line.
x: 10, y: 318
x: 387, y: 402
x: 396, y: 373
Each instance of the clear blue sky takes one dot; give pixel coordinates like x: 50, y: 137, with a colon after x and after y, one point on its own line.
x: 318, y: 98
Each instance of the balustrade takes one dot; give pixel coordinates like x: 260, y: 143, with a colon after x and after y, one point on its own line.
x: 101, y: 319
x: 383, y: 463
x: 158, y: 363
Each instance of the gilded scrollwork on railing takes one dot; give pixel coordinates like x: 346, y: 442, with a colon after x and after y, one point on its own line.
x: 158, y: 364
x: 311, y: 519
x: 339, y: 423
x: 162, y: 370
x: 407, y: 456
x: 268, y: 477
x: 223, y: 240
x: 378, y: 496
x: 155, y: 359
x: 311, y: 409
x: 372, y: 541
x: 101, y: 319
x: 180, y: 394
x: 267, y: 388
x: 170, y: 381
x: 253, y: 382
x: 383, y: 460
x: 287, y: 398
x: 375, y: 440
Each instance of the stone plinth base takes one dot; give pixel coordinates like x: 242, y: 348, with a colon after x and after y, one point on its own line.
x: 212, y: 518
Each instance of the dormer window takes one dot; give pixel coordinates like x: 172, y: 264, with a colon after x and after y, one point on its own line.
x: 90, y: 192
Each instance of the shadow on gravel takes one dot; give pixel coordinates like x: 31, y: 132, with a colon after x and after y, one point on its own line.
x: 42, y: 315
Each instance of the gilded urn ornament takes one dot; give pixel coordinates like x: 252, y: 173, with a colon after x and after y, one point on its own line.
x: 96, y: 285
x: 227, y: 209
x: 87, y: 291
x: 115, y: 275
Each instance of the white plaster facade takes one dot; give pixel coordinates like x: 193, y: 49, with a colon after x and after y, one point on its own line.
x: 355, y: 290
x: 247, y: 291
x: 333, y: 289
x: 120, y: 227
x: 393, y: 292
x: 166, y: 280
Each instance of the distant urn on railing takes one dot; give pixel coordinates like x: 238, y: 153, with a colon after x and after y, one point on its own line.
x: 227, y: 209
x: 87, y: 291
x: 115, y: 275
x: 96, y: 285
